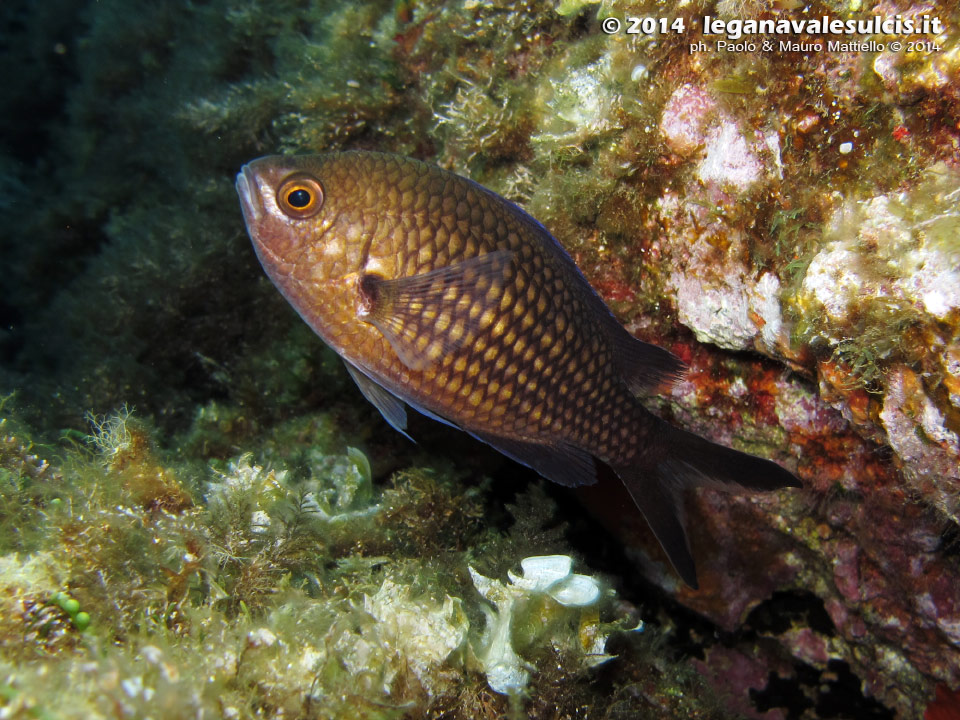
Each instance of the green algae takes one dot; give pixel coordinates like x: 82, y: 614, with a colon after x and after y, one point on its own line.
x: 252, y: 590
x: 28, y: 482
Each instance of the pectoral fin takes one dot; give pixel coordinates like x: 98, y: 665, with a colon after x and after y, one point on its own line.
x: 427, y: 316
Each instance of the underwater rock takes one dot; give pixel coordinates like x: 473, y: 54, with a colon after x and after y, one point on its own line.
x: 733, y: 158
x: 736, y: 675
x: 706, y: 243
x: 684, y: 122
x: 887, y: 255
x: 721, y: 300
x: 888, y: 293
x: 917, y: 432
x: 909, y: 72
x: 579, y: 105
x: 729, y: 161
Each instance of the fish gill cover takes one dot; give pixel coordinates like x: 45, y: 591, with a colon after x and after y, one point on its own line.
x: 174, y: 450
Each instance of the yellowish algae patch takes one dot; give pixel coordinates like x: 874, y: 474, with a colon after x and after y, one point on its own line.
x: 424, y: 633
x: 888, y: 247
x: 881, y: 300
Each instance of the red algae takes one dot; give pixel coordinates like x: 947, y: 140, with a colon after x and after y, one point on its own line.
x: 946, y: 705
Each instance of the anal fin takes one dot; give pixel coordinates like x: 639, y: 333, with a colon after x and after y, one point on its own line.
x: 560, y: 462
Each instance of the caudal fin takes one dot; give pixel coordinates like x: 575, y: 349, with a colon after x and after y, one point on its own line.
x: 687, y: 460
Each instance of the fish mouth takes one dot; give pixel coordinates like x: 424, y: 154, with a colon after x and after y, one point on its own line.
x: 251, y: 202
x: 249, y: 195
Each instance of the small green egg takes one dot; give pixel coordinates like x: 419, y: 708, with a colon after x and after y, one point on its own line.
x: 70, y: 605
x: 82, y: 621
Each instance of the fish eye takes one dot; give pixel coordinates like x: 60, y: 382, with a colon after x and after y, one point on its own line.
x: 300, y: 196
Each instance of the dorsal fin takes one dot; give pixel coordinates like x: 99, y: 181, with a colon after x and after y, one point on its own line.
x: 644, y: 367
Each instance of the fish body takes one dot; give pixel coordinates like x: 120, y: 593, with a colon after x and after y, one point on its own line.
x: 440, y: 294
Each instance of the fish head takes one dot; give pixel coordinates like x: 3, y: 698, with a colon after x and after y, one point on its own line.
x: 286, y: 209
x: 301, y: 213
x: 312, y: 219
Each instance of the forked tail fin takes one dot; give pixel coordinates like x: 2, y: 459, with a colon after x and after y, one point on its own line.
x: 686, y: 460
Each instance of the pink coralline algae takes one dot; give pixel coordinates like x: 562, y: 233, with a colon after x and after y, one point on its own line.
x: 871, y: 552
x: 685, y: 119
x: 734, y: 674
x: 916, y: 430
x: 732, y: 157
x: 718, y: 296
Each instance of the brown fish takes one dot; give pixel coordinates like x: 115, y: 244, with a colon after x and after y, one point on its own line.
x: 440, y: 294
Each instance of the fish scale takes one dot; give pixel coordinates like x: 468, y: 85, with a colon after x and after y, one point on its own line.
x: 441, y: 295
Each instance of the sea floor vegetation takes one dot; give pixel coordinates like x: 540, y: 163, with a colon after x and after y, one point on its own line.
x: 136, y: 584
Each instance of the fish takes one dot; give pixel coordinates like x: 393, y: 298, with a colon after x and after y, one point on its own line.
x: 442, y: 296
